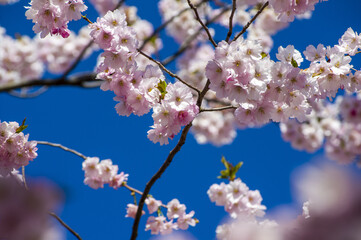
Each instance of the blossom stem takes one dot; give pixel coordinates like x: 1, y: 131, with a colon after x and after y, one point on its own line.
x: 86, y: 19
x: 250, y: 22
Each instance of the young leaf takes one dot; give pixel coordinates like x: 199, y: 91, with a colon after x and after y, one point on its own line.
x: 294, y: 63
x: 22, y: 127
x: 162, y: 86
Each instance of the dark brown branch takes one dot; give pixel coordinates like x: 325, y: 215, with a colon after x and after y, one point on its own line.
x: 217, y: 109
x: 250, y: 22
x: 190, y: 39
x: 229, y: 34
x: 85, y: 80
x: 167, y: 71
x: 165, y: 165
x: 201, y: 22
x: 156, y: 177
x: 65, y: 225
x: 62, y: 147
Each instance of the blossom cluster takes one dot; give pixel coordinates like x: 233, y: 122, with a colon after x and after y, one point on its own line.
x: 177, y: 109
x: 175, y: 210
x: 337, y: 124
x: 288, y: 9
x: 159, y: 224
x: 137, y: 90
x: 98, y: 173
x: 264, y: 90
x: 217, y: 128
x: 15, y: 149
x: 53, y: 17
x: 18, y: 59
x: 237, y: 199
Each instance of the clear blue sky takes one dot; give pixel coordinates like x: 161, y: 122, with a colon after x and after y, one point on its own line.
x: 85, y: 120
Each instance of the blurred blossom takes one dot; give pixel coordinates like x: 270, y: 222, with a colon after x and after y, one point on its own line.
x: 333, y: 211
x: 24, y: 213
x: 175, y: 236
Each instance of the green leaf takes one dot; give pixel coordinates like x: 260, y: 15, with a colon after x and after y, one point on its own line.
x: 263, y: 54
x: 294, y: 63
x: 230, y: 171
x: 162, y: 86
x: 22, y: 127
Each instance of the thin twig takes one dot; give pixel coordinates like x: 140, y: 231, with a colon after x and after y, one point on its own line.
x: 65, y: 225
x: 167, y: 71
x: 161, y: 27
x: 131, y: 188
x: 62, y: 147
x: 201, y: 22
x: 190, y: 39
x: 217, y: 109
x: 229, y: 34
x: 250, y: 22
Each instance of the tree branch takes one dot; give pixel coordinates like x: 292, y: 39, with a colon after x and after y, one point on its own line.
x: 85, y: 80
x: 229, y: 34
x: 217, y: 109
x: 156, y: 177
x: 164, y: 166
x: 201, y: 22
x: 250, y: 22
x: 62, y: 147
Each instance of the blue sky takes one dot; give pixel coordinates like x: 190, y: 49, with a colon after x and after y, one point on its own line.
x: 86, y: 120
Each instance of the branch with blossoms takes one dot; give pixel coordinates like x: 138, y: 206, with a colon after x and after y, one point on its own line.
x: 237, y: 85
x: 98, y: 173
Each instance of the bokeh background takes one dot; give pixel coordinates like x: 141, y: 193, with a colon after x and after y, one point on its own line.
x: 85, y: 120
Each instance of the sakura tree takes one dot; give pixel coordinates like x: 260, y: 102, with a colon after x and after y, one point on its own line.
x: 212, y: 69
